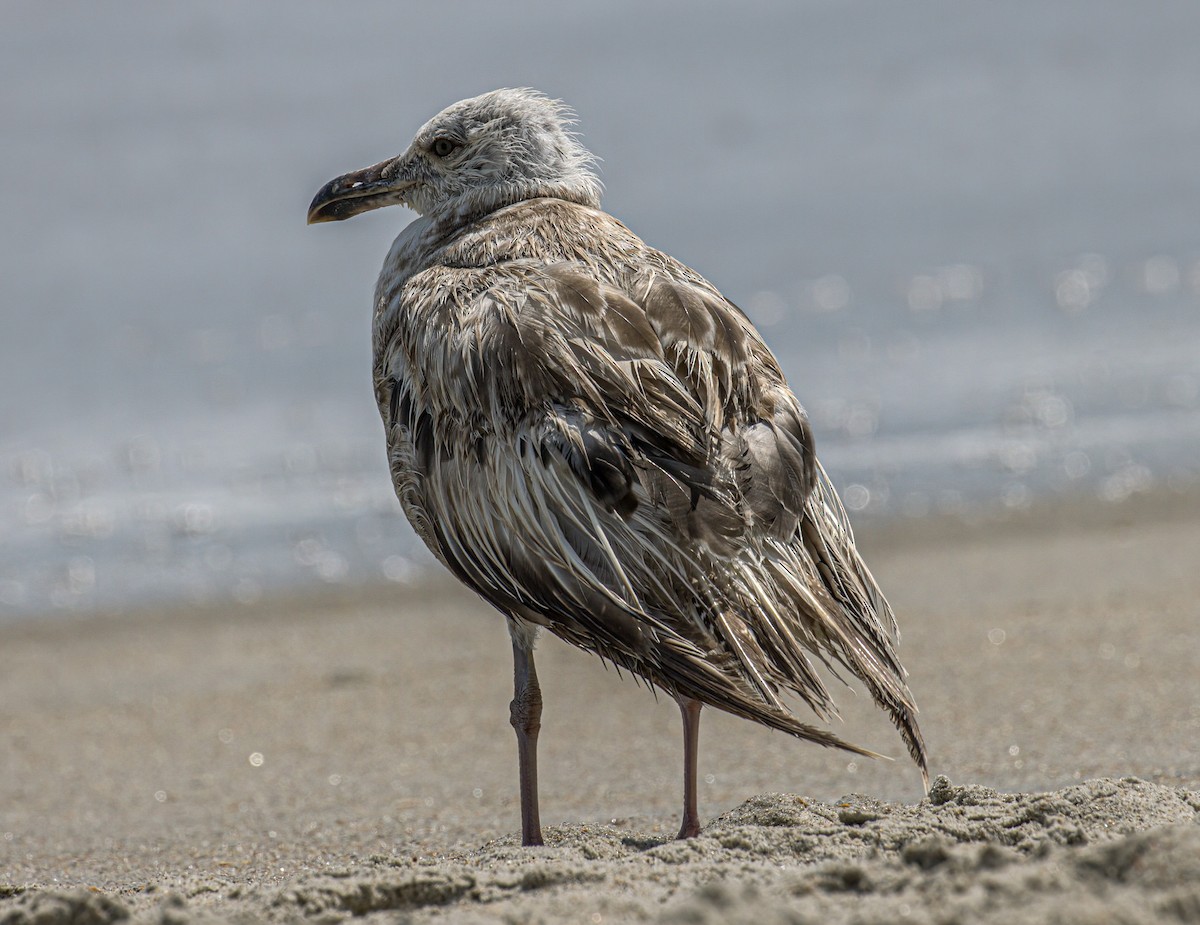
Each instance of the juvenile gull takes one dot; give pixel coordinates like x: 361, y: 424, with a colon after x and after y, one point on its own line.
x: 594, y: 439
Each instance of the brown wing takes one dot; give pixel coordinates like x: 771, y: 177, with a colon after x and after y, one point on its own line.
x: 760, y: 437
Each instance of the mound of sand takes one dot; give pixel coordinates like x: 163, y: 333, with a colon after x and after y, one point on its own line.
x: 1102, y: 851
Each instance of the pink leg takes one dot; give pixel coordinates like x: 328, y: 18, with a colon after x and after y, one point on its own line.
x: 525, y: 713
x: 691, y: 744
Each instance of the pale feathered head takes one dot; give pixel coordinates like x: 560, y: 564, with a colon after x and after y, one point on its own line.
x: 475, y: 156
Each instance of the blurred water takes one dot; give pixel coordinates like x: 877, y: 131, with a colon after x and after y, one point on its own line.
x: 969, y: 232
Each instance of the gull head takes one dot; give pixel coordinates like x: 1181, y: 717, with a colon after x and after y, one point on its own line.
x: 474, y: 157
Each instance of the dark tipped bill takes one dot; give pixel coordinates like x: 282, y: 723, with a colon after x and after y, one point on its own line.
x: 357, y: 192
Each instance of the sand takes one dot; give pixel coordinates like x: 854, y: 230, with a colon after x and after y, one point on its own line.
x: 348, y: 755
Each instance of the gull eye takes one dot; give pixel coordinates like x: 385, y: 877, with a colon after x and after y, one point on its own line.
x: 443, y: 147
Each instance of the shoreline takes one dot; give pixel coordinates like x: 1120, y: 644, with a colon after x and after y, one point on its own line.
x: 876, y: 535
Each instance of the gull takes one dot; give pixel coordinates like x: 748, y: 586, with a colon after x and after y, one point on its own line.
x: 589, y: 435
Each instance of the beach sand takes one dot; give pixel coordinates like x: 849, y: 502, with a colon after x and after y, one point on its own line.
x: 349, y: 755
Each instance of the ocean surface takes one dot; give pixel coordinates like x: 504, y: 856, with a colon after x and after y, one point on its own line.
x: 970, y: 232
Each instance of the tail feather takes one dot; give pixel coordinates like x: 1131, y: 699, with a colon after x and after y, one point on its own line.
x: 866, y: 643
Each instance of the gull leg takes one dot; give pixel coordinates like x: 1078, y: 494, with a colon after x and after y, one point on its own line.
x: 525, y: 713
x: 691, y: 743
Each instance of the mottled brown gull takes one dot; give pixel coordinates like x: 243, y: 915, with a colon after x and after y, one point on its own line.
x: 594, y: 439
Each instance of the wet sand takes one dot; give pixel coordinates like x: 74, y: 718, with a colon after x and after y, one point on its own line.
x: 350, y: 755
